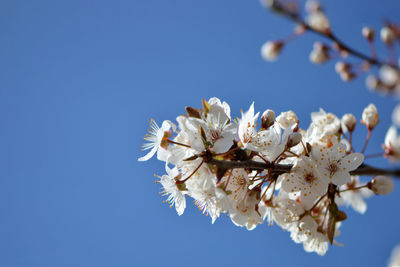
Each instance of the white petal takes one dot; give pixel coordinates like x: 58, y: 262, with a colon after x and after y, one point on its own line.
x: 238, y: 219
x: 359, y: 204
x: 149, y: 155
x: 180, y: 204
x: 163, y: 154
x: 352, y: 161
x: 289, y: 182
x: 223, y: 145
x: 341, y: 178
x: 390, y: 136
x: 166, y: 125
x: 309, y: 199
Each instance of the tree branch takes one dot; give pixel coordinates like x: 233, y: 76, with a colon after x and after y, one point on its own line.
x: 363, y: 170
x: 329, y: 35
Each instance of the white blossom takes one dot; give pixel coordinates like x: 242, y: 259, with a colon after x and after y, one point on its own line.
x: 216, y: 123
x: 335, y: 164
x: 354, y: 197
x: 282, y: 210
x: 191, y: 134
x: 292, y: 194
x: 394, y: 260
x: 305, y: 231
x: 392, y: 144
x: 247, y: 126
x: 287, y: 119
x: 244, y: 212
x: 236, y: 182
x: 305, y: 181
x: 266, y: 141
x: 326, y: 123
x: 323, y: 129
x: 317, y: 243
x: 155, y: 139
x: 175, y: 195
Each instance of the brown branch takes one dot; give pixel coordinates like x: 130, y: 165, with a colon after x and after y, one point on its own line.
x: 250, y: 164
x: 329, y: 35
x: 285, y: 168
x: 369, y: 170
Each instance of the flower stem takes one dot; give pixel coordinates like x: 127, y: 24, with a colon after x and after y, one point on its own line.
x: 197, y: 168
x: 176, y: 143
x: 366, y: 141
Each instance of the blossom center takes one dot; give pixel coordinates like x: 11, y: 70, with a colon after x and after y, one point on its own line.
x: 215, y: 135
x: 332, y: 168
x: 309, y: 178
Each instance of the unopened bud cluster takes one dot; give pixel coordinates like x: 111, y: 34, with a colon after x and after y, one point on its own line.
x: 387, y: 80
x: 272, y: 170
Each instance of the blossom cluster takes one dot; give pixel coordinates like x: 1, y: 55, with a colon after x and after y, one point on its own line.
x: 266, y: 168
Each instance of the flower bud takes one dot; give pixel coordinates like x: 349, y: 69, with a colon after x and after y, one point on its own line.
x: 267, y: 3
x: 349, y: 122
x: 300, y: 29
x: 320, y: 53
x: 318, y: 21
x: 313, y: 6
x: 267, y: 118
x: 381, y: 185
x: 294, y: 139
x: 344, y: 53
x: 365, y: 66
x: 372, y: 82
x: 368, y: 33
x: 347, y: 76
x: 370, y: 116
x: 341, y: 66
x: 287, y: 119
x: 271, y: 50
x: 387, y: 35
x: 396, y: 115
x: 389, y: 75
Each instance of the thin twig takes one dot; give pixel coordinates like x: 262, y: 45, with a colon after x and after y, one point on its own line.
x: 329, y: 35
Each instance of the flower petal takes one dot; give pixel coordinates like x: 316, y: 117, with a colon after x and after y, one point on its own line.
x: 351, y: 161
x: 341, y: 178
x: 149, y: 155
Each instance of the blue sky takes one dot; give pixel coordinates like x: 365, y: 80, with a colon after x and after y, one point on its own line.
x: 79, y: 81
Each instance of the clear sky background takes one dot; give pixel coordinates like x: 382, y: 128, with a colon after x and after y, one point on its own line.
x: 79, y: 81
